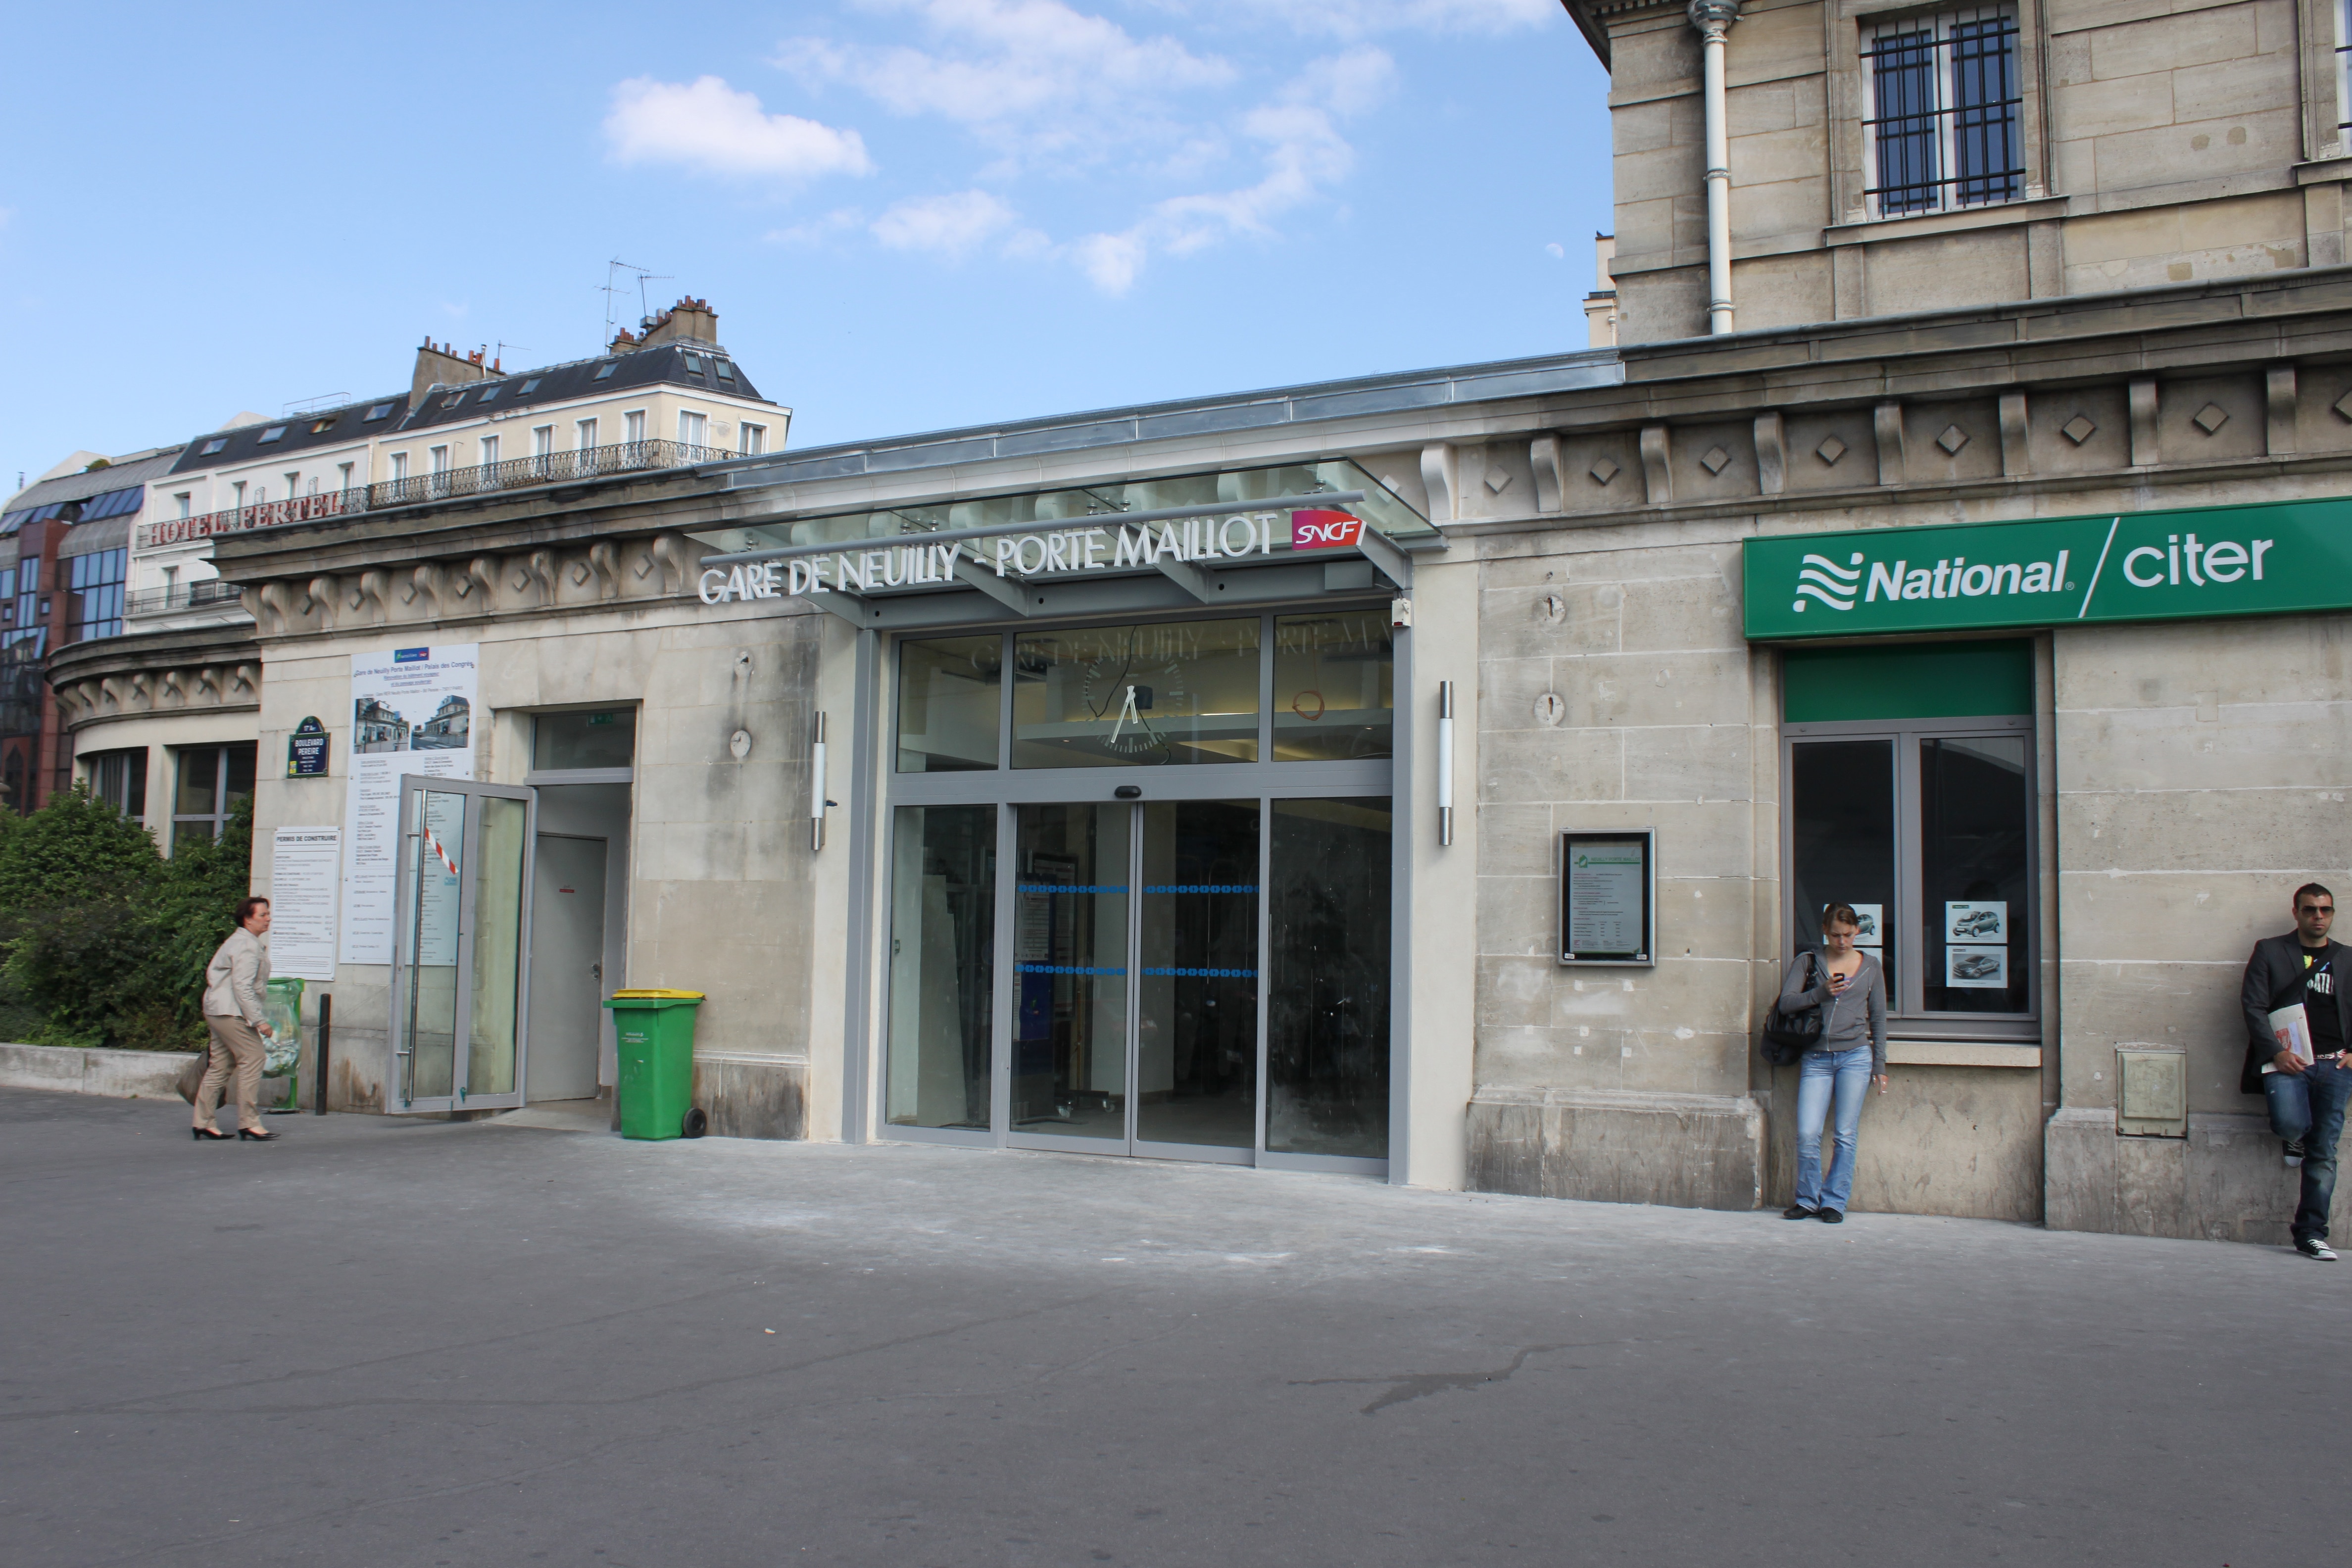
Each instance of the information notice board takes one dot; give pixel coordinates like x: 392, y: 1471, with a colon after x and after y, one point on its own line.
x: 1608, y: 897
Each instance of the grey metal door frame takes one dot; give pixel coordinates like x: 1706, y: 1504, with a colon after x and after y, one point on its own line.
x: 407, y: 931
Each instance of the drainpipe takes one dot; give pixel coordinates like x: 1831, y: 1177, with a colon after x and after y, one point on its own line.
x: 1713, y: 19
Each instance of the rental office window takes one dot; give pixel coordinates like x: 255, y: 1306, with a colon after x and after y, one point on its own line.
x: 634, y: 423
x: 212, y: 781
x: 489, y: 451
x: 118, y: 778
x: 693, y: 429
x: 96, y: 583
x: 1909, y: 793
x: 587, y: 432
x: 1944, y: 125
x: 753, y: 439
x: 399, y: 466
x: 542, y: 440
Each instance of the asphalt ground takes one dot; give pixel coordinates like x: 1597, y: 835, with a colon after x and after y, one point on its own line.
x: 393, y: 1342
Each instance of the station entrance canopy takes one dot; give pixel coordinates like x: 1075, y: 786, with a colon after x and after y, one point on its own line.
x: 1227, y: 538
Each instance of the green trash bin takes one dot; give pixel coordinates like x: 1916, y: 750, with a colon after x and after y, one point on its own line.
x: 282, y: 1051
x: 656, y: 1048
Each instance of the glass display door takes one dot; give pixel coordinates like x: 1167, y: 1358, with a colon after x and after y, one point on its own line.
x: 461, y: 931
x: 1135, y: 943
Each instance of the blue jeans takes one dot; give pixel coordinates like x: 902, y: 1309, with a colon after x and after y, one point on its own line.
x: 2310, y: 1106
x: 1848, y: 1072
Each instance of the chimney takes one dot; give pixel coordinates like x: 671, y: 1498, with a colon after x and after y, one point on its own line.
x: 690, y: 321
x: 439, y: 363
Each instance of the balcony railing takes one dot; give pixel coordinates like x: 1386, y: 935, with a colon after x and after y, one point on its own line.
x: 180, y: 597
x: 486, y: 479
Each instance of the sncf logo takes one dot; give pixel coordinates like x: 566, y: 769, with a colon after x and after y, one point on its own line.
x: 1324, y: 530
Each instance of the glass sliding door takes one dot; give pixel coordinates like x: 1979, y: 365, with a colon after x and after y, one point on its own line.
x: 1196, y: 1028
x: 1070, y: 966
x: 1328, y: 927
x: 943, y: 966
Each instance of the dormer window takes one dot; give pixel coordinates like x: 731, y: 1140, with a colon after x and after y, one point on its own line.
x: 531, y: 385
x: 606, y: 369
x: 377, y: 412
x: 275, y: 433
x: 693, y: 364
x: 453, y: 400
x: 217, y: 443
x: 487, y: 394
x: 1945, y: 95
x: 727, y: 371
x: 321, y: 426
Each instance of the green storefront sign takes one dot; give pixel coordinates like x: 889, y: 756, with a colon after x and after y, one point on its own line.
x: 2277, y: 559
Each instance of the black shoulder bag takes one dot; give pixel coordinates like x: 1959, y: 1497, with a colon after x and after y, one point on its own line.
x: 1790, y: 1032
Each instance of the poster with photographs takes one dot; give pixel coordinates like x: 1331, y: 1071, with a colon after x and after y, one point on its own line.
x: 412, y: 712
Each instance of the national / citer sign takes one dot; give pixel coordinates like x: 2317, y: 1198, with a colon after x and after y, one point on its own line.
x: 2280, y: 558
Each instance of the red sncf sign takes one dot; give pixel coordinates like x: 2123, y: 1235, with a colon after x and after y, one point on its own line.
x: 1324, y: 530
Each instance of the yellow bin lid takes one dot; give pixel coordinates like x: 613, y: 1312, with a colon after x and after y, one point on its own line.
x: 655, y: 991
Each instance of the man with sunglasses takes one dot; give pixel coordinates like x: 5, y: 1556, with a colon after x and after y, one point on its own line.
x: 2306, y: 1098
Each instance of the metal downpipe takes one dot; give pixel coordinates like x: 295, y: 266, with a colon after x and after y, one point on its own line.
x: 1713, y: 19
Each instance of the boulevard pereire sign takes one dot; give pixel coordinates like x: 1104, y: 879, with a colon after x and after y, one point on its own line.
x: 2278, y: 559
x: 1087, y: 545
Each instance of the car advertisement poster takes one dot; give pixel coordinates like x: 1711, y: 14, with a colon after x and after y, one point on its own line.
x: 412, y: 712
x: 1977, y: 922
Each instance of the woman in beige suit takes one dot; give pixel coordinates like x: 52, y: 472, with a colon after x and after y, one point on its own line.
x: 235, y: 981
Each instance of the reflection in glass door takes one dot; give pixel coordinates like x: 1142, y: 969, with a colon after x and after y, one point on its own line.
x: 1196, y: 1028
x: 460, y: 929
x: 1327, y: 945
x: 1070, y: 993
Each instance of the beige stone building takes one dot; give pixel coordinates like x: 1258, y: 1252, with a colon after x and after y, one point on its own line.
x: 1431, y: 774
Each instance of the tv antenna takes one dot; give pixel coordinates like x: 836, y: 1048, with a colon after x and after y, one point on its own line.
x: 613, y: 271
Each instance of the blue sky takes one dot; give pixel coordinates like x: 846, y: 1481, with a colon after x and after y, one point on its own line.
x: 909, y: 213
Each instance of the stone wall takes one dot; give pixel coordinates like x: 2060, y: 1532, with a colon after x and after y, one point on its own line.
x: 2161, y: 143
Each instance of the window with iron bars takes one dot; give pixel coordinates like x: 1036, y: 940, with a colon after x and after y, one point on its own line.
x: 1944, y: 129
x: 2343, y: 68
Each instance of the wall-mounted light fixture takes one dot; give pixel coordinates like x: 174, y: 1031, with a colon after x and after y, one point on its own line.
x: 818, y: 803
x: 1445, y: 761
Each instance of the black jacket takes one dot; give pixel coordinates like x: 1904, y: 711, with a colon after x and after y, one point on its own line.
x: 2275, y: 979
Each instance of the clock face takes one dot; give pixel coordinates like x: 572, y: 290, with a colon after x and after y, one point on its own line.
x: 1122, y: 684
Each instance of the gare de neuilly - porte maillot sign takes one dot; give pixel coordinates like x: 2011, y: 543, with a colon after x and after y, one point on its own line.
x: 2280, y: 558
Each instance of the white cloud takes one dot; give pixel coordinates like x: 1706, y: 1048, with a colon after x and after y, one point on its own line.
x: 1033, y: 79
x: 707, y: 126
x: 1110, y: 261
x: 948, y: 225
x: 1355, y: 18
x: 819, y: 229
x: 1349, y: 84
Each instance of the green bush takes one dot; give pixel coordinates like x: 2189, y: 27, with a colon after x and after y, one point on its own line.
x: 103, y: 939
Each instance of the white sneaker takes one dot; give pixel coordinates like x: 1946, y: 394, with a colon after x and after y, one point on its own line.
x: 2291, y: 1149
x: 2311, y: 1247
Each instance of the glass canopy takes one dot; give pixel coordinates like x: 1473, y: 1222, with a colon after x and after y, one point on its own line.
x: 1381, y: 509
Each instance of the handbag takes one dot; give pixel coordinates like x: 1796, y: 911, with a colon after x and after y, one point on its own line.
x: 1789, y: 1032
x: 192, y: 1075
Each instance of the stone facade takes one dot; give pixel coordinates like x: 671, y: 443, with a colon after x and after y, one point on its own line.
x: 2159, y: 143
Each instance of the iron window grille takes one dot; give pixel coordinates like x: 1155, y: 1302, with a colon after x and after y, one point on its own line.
x: 2343, y: 68
x: 1945, y: 110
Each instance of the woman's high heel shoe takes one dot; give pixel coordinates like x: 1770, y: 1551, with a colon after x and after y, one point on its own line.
x: 207, y: 1135
x: 245, y: 1132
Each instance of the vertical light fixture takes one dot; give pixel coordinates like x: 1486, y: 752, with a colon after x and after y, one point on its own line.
x: 1445, y: 761
x: 816, y: 783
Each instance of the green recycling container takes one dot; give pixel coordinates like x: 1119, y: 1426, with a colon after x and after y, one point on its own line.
x: 657, y: 1047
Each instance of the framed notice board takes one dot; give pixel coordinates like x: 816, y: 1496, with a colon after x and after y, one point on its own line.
x: 1608, y: 898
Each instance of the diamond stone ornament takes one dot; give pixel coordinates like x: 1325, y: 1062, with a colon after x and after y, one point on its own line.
x: 2078, y: 429
x: 1830, y: 451
x: 1604, y: 471
x: 1952, y: 440
x: 1715, y: 460
x: 2210, y: 419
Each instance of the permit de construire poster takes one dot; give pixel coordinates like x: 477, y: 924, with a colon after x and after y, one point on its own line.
x: 412, y: 711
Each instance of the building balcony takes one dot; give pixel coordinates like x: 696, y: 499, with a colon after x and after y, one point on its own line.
x: 180, y: 597
x: 487, y: 479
